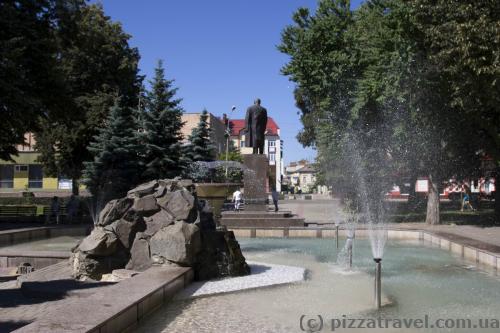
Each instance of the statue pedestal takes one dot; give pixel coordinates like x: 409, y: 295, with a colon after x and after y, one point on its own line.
x: 256, y: 214
x: 255, y: 182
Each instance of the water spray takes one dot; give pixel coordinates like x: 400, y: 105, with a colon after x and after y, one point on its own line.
x: 349, y: 251
x: 378, y: 282
x: 337, y: 235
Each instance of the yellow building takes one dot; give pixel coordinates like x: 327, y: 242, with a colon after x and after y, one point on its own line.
x: 26, y: 173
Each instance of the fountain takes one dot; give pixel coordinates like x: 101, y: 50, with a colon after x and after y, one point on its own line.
x: 337, y: 234
x: 345, y: 256
x: 370, y: 198
x: 216, y: 181
x: 378, y: 282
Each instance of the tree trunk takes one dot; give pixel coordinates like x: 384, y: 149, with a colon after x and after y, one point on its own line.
x: 432, y: 216
x: 75, y: 186
x: 412, y: 194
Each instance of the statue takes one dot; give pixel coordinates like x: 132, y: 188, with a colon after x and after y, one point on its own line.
x: 255, y: 125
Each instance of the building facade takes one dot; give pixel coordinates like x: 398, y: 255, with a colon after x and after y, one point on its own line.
x: 216, y: 125
x: 25, y: 172
x: 301, y: 176
x: 273, y: 147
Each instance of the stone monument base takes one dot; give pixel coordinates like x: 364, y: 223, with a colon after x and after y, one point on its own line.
x: 255, y: 219
x: 255, y: 182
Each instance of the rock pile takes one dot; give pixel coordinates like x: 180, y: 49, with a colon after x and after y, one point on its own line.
x: 158, y: 223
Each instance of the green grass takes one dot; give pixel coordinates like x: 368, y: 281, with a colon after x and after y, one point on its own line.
x: 399, y: 212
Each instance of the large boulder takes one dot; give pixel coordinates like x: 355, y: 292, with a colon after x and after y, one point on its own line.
x: 86, y: 266
x: 99, y: 243
x: 126, y: 230
x: 146, y: 205
x: 220, y: 256
x: 178, y: 243
x: 158, y: 223
x: 143, y: 189
x: 140, y: 255
x: 114, y: 210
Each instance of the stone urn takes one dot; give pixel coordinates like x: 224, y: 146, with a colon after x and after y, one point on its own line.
x: 216, y: 194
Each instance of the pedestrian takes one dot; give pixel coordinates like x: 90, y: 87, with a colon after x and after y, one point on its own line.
x: 275, y: 196
x: 72, y: 208
x: 54, y: 209
x: 237, y: 197
x: 466, y: 200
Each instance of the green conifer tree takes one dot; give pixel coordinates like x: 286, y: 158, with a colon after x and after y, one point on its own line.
x: 116, y: 166
x: 201, y: 147
x: 162, y: 129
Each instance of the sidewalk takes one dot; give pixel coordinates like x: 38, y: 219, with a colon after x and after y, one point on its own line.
x: 330, y: 211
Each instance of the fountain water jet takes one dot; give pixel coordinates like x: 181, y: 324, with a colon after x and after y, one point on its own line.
x: 345, y: 255
x: 371, y: 200
x: 337, y: 224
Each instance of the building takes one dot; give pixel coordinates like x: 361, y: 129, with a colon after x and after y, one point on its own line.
x: 216, y: 125
x: 273, y: 147
x: 26, y: 173
x: 301, y: 175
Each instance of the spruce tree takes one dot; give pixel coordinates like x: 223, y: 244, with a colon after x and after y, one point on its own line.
x: 162, y: 129
x: 201, y: 147
x: 116, y: 166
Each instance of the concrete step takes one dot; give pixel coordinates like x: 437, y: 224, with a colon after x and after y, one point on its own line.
x: 249, y: 214
x: 263, y: 222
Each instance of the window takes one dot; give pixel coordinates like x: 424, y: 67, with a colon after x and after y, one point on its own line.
x: 272, y: 143
x: 35, y: 176
x: 272, y: 157
x: 64, y: 183
x: 21, y: 168
x: 242, y: 143
x: 6, y: 176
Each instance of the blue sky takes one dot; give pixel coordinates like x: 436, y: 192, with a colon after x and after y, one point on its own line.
x: 220, y: 53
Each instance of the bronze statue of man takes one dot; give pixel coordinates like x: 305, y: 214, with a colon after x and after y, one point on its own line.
x: 255, y: 125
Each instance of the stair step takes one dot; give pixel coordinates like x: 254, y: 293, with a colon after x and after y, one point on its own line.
x: 264, y: 222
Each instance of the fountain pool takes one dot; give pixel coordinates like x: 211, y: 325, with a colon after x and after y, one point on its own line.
x: 417, y: 280
x: 59, y: 243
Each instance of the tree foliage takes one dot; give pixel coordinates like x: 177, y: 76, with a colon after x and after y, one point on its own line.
x: 200, y: 147
x: 162, y: 129
x: 116, y: 165
x: 29, y: 80
x: 98, y: 65
x: 375, y: 99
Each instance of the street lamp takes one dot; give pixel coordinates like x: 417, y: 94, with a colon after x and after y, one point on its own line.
x: 228, y: 134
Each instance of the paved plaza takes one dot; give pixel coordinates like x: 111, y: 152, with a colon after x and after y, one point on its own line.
x: 16, y: 309
x: 330, y: 211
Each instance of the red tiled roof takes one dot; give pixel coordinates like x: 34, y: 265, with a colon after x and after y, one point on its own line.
x: 237, y: 125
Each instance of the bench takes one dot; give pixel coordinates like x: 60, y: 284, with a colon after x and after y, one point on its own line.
x: 18, y: 210
x: 48, y: 218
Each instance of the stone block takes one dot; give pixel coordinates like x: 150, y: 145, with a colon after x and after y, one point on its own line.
x: 146, y: 205
x: 178, y: 243
x: 255, y: 180
x: 140, y: 255
x: 143, y: 189
x: 114, y: 210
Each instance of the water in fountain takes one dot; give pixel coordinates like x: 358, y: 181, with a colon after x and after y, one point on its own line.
x: 95, y: 205
x: 344, y: 257
x: 371, y: 202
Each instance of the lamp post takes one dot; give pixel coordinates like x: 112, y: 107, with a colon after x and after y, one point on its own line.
x: 228, y: 134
